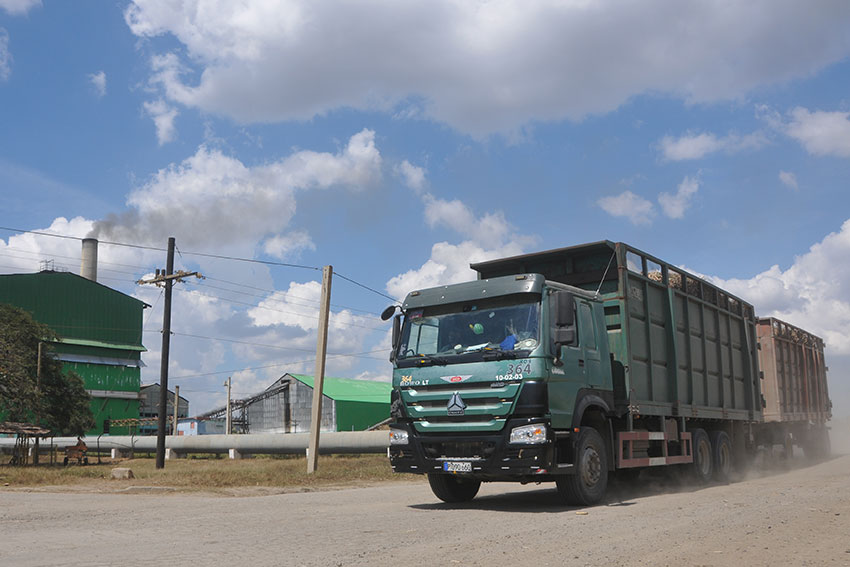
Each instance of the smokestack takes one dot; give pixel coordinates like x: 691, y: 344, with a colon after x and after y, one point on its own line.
x: 88, y: 259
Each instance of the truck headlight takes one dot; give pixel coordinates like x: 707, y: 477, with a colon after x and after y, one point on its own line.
x: 533, y: 434
x: 398, y: 437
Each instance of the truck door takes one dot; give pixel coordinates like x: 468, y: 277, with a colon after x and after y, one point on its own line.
x: 589, y: 346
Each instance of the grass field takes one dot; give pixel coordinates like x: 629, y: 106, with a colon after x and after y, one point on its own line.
x: 208, y: 474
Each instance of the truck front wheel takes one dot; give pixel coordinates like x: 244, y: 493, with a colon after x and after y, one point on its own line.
x: 587, y: 486
x: 451, y: 489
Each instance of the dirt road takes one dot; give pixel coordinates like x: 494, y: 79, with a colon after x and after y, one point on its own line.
x: 800, y: 517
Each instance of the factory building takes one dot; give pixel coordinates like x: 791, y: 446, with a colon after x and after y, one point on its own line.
x: 149, y: 409
x: 99, y: 332
x: 285, y: 406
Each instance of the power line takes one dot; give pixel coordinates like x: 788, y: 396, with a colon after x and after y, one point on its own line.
x: 261, y: 345
x: 252, y: 305
x: 307, y: 361
x: 289, y: 297
x: 207, y: 255
x: 365, y: 287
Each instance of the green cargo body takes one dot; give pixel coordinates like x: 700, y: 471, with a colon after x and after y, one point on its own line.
x: 680, y: 345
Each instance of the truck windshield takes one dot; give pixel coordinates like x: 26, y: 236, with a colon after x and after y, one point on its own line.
x: 439, y: 333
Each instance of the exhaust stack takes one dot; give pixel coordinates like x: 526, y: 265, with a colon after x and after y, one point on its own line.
x: 88, y: 259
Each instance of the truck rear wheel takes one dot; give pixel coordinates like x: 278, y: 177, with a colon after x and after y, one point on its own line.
x: 450, y: 488
x: 587, y: 486
x: 701, y: 468
x: 721, y: 455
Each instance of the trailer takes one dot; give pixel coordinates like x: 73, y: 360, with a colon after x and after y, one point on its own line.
x: 796, y: 394
x: 574, y: 363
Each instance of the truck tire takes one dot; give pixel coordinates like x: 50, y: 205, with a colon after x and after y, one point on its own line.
x: 587, y: 486
x: 701, y: 468
x: 721, y: 455
x: 449, y: 488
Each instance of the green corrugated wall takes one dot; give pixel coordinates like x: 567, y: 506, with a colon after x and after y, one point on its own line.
x: 357, y: 416
x: 79, y: 309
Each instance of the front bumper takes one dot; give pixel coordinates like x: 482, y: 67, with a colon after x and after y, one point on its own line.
x: 490, y: 454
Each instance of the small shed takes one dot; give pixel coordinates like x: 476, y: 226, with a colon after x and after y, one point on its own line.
x: 348, y: 404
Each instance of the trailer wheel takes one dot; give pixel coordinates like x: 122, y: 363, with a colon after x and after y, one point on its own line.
x: 587, y: 486
x: 701, y: 468
x: 721, y: 455
x: 451, y: 489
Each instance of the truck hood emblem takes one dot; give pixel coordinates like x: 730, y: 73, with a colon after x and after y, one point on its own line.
x: 456, y: 405
x: 455, y: 378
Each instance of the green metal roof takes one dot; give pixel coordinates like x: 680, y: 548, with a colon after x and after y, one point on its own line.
x: 347, y: 389
x: 101, y: 344
x: 76, y: 308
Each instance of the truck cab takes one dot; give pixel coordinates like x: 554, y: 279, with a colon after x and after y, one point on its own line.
x: 503, y: 379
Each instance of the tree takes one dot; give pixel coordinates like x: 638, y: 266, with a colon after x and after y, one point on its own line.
x: 60, y: 402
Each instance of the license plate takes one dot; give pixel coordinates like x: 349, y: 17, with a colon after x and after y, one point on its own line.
x: 457, y: 466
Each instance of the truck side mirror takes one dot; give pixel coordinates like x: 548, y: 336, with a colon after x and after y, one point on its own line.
x: 561, y: 322
x: 396, y: 336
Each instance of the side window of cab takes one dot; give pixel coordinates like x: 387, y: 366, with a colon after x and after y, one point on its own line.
x: 586, y: 329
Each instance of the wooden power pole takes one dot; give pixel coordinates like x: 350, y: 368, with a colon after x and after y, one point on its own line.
x: 176, y: 408
x: 228, y: 419
x: 167, y: 279
x: 319, y: 378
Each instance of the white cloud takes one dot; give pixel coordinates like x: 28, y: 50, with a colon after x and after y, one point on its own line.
x: 634, y: 207
x: 5, y: 55
x: 98, y: 81
x: 448, y: 264
x: 18, y: 7
x: 674, y: 205
x: 789, y: 180
x: 284, y: 246
x: 821, y: 133
x: 413, y: 176
x: 163, y: 116
x: 466, y: 63
x: 213, y: 200
x: 814, y: 293
x: 696, y: 146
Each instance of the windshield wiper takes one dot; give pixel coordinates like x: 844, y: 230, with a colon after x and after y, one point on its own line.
x: 427, y: 360
x: 499, y: 354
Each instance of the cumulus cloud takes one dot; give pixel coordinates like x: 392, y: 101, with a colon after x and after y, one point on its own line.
x: 486, y: 236
x: 789, y: 180
x: 448, y: 264
x: 18, y: 7
x: 413, y: 176
x: 285, y: 246
x: 467, y: 63
x: 696, y: 146
x: 813, y: 293
x: 5, y: 55
x: 674, y: 205
x: 98, y: 82
x: 638, y: 210
x: 821, y: 133
x: 163, y: 116
x: 214, y: 200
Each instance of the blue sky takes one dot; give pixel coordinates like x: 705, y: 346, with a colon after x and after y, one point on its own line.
x: 400, y: 141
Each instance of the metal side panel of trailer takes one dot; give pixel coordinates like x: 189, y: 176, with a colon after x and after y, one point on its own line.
x: 687, y: 348
x: 793, y: 373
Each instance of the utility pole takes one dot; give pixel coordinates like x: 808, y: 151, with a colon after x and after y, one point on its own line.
x: 165, y: 278
x: 38, y: 398
x: 228, y: 420
x: 176, y: 407
x: 319, y: 378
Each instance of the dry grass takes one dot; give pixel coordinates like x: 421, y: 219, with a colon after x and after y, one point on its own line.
x: 209, y: 475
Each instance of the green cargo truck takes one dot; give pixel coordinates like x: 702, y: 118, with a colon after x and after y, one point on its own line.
x: 571, y: 364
